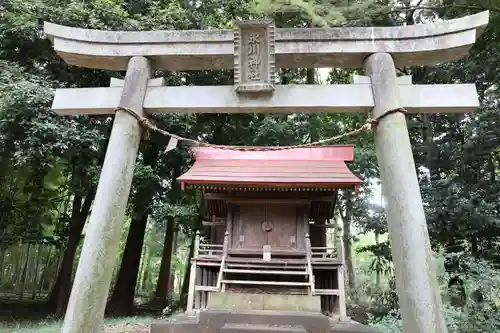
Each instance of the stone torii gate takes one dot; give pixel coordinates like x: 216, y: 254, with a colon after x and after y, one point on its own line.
x: 254, y: 49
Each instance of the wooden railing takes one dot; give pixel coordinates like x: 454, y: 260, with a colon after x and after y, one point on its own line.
x: 318, y: 255
x: 225, y: 248
x: 198, y: 290
x: 324, y: 252
x: 210, y: 250
x: 309, y: 265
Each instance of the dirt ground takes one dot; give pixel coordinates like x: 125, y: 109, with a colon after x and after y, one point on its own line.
x: 127, y: 328
x: 31, y: 317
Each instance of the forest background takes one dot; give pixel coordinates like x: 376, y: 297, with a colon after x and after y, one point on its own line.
x: 49, y: 165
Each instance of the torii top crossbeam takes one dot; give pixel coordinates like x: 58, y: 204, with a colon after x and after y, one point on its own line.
x: 295, y: 48
x: 254, y: 72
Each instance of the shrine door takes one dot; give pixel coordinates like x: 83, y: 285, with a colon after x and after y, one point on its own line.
x: 267, y: 224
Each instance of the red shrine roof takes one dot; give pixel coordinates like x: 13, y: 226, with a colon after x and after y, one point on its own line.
x: 300, y: 168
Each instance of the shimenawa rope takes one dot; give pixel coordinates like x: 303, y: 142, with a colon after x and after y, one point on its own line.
x: 368, y: 126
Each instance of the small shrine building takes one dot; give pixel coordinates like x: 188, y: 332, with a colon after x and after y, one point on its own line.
x: 265, y: 231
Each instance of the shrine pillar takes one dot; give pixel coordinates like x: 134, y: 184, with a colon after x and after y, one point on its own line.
x: 416, y: 281
x: 85, y: 312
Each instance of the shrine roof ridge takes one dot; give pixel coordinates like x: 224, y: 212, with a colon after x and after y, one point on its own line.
x: 312, y: 167
x: 343, y: 153
x: 295, y: 47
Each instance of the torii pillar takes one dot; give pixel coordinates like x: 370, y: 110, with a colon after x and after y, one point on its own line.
x: 416, y: 282
x: 253, y: 49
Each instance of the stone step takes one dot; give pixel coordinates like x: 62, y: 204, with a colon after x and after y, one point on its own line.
x: 205, y: 288
x: 272, y: 261
x: 254, y: 328
x: 267, y: 283
x: 268, y: 266
x: 263, y: 271
x: 312, y: 322
x: 181, y: 326
x: 350, y: 326
x: 266, y: 302
x: 326, y: 292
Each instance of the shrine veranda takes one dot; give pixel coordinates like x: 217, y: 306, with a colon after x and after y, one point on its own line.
x: 254, y: 49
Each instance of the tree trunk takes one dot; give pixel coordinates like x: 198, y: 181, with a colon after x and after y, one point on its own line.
x: 66, y: 271
x: 2, y: 263
x: 431, y: 157
x: 162, y: 286
x: 474, y: 246
x: 122, y: 299
x: 140, y: 287
x: 346, y: 238
x: 313, y: 130
x: 492, y: 169
x: 310, y: 76
x: 59, y: 296
x: 165, y: 276
x: 55, y: 290
x: 145, y: 277
x: 44, y: 272
x: 377, y: 277
x: 185, y: 282
x: 171, y: 283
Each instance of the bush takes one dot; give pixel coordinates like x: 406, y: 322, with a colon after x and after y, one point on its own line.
x: 480, y: 313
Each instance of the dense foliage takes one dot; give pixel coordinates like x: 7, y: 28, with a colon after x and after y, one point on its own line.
x: 49, y: 165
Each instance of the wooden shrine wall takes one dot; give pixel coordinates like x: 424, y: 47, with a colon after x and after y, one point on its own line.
x: 281, y: 225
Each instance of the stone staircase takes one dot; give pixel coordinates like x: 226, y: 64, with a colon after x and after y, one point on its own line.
x: 253, y: 272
